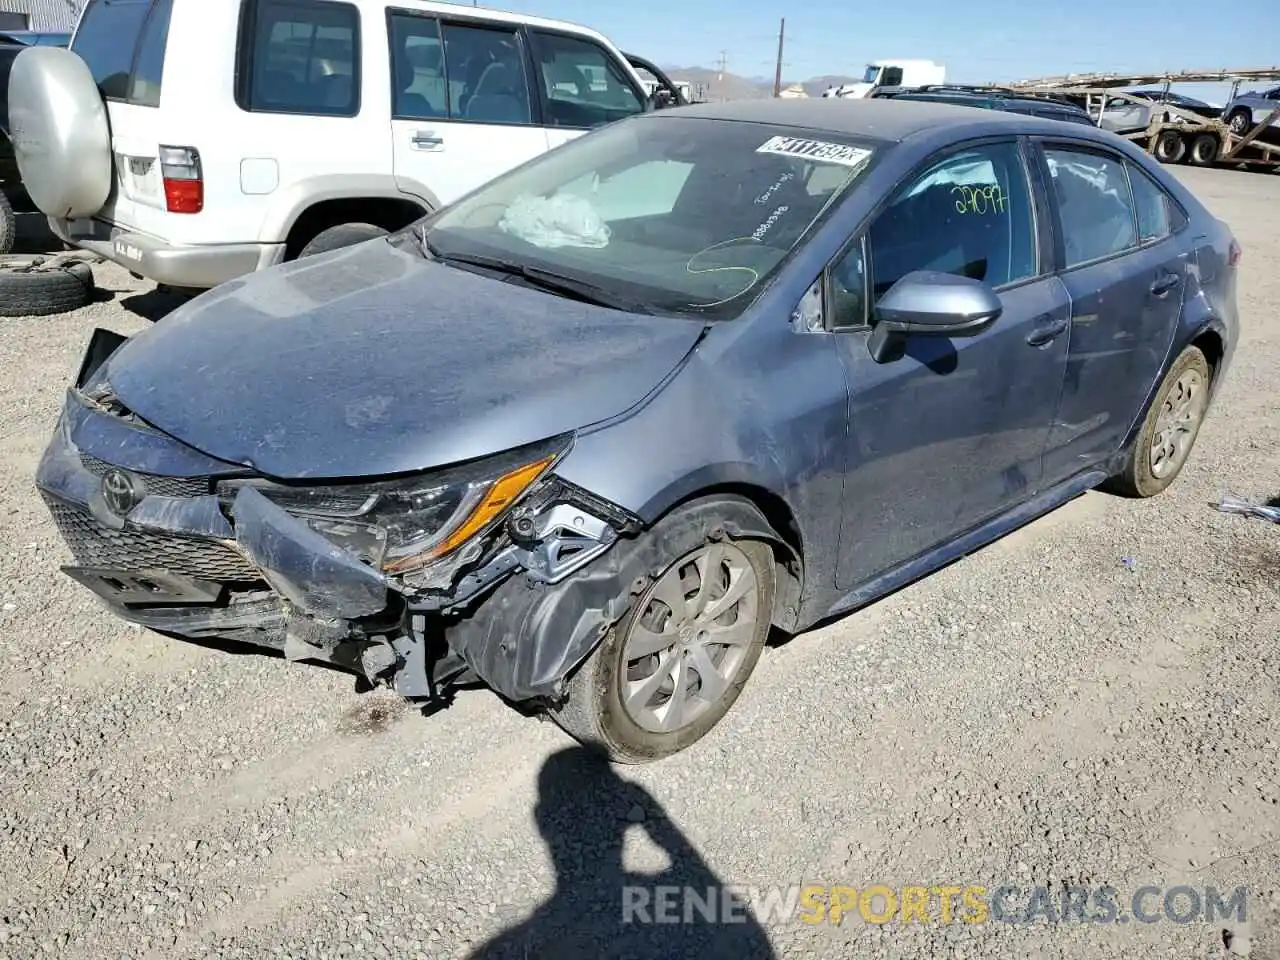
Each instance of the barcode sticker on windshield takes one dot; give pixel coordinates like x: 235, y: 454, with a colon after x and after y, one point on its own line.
x: 819, y: 150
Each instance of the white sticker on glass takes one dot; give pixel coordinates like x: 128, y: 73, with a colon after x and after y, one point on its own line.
x: 818, y: 150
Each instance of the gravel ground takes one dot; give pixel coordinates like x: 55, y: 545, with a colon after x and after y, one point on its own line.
x: 1090, y: 701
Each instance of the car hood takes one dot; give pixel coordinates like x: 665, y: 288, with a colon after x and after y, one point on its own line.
x: 374, y: 361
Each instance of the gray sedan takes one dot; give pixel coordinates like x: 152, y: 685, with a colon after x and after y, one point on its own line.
x: 1251, y: 108
x: 592, y: 433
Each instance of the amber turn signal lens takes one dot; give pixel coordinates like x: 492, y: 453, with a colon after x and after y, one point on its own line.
x: 501, y: 495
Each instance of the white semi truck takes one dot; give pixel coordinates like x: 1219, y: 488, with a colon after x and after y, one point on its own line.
x: 892, y: 73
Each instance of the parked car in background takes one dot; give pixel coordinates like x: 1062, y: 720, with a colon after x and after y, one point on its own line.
x: 990, y: 98
x: 1249, y: 109
x: 247, y: 134
x: 590, y: 432
x: 890, y: 73
x: 11, y: 187
x: 1121, y: 115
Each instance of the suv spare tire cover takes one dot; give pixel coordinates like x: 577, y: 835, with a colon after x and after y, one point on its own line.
x: 61, y: 138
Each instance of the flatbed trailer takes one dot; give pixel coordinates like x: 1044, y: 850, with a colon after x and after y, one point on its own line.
x: 1176, y: 134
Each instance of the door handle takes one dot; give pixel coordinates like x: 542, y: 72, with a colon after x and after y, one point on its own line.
x: 427, y: 140
x: 1049, y: 330
x: 1164, y: 284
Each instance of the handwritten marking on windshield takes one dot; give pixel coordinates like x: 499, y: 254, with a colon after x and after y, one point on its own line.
x: 777, y: 185
x: 760, y: 231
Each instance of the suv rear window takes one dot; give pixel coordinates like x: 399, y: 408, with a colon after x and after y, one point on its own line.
x: 123, y: 42
x: 299, y: 56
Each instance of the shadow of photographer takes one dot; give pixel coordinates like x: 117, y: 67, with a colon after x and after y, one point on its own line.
x: 599, y: 908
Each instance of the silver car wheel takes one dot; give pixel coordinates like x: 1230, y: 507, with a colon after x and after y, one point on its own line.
x: 683, y: 651
x: 1181, y: 412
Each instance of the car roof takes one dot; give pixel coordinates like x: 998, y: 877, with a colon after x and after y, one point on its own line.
x: 890, y: 119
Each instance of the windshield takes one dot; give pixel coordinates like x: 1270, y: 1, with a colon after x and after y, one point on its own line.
x: 682, y: 215
x: 872, y: 74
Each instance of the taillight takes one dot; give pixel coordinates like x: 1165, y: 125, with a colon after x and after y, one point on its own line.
x: 1234, y: 254
x: 183, y: 179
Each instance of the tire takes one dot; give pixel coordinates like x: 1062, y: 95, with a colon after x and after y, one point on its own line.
x: 1240, y: 121
x: 60, y: 134
x: 29, y: 288
x: 1170, y: 147
x: 1185, y: 386
x: 595, y: 711
x: 343, y: 235
x: 8, y: 225
x: 1204, y: 150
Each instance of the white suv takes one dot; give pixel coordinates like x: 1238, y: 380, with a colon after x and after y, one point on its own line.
x: 238, y: 135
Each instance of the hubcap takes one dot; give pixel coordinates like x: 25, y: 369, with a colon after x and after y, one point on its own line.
x: 694, y: 628
x: 1180, y: 414
x: 1237, y: 123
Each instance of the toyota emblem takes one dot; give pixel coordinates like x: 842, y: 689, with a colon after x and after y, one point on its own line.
x: 121, y: 492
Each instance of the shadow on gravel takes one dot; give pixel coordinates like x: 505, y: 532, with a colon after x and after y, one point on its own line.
x: 154, y: 304
x: 583, y: 812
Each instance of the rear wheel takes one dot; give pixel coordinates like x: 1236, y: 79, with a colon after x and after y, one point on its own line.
x: 1204, y: 150
x: 8, y: 225
x: 343, y: 235
x: 1240, y: 121
x: 675, y: 664
x: 1170, y: 147
x: 1169, y: 429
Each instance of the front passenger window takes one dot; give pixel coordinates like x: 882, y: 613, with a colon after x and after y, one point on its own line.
x: 969, y: 214
x: 584, y: 86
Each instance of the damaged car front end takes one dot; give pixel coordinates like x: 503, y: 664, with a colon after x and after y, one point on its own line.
x: 384, y: 578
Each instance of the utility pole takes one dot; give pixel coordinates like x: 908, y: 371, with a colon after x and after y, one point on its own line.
x: 723, y: 64
x: 777, y: 76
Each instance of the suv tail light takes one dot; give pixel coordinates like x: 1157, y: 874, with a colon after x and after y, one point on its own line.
x: 1234, y: 254
x: 183, y: 179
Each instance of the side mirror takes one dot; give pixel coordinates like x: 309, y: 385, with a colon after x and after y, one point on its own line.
x: 929, y: 304
x: 662, y: 99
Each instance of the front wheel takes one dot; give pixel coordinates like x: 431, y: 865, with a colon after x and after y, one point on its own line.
x: 675, y: 664
x: 1169, y: 429
x: 343, y: 235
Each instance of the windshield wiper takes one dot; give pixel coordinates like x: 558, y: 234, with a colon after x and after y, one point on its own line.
x: 548, y: 280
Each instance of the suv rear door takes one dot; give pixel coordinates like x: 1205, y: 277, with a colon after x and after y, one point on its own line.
x: 123, y: 42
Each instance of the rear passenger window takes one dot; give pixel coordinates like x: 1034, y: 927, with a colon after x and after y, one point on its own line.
x: 420, y: 89
x: 583, y: 85
x: 485, y: 73
x: 108, y: 40
x: 1096, y: 209
x: 300, y: 56
x: 969, y: 214
x: 1152, y: 205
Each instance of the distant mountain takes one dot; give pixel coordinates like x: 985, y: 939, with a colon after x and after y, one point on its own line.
x: 712, y: 85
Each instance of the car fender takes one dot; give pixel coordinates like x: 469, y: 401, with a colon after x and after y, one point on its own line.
x: 297, y: 198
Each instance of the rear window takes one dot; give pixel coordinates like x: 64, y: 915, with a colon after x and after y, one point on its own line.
x: 123, y: 42
x: 300, y: 56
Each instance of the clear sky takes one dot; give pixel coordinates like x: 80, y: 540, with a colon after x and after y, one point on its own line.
x: 982, y: 40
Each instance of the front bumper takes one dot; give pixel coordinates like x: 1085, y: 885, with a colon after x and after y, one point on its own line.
x: 177, y: 561
x: 197, y: 267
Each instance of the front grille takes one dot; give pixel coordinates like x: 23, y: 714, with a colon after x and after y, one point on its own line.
x: 95, y: 545
x: 160, y: 486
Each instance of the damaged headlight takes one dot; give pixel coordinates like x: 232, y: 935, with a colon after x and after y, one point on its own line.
x: 399, y: 526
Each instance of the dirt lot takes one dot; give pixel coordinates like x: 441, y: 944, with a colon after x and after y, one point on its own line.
x: 1091, y: 701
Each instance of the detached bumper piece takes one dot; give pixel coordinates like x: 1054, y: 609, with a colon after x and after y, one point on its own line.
x: 517, y: 609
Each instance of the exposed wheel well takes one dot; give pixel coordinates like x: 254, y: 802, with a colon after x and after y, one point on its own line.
x: 789, y: 565
x: 1210, y: 344
x: 385, y: 212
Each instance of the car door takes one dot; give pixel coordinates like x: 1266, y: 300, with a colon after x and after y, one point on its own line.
x: 1126, y: 273
x: 462, y: 109
x: 582, y: 84
x: 952, y: 433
